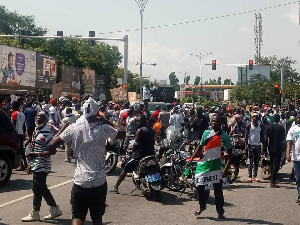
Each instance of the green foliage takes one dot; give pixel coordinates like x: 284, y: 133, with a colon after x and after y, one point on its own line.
x: 187, y: 79
x: 174, y: 81
x: 290, y: 73
x: 208, y: 104
x: 228, y: 82
x: 187, y: 100
x: 197, y: 80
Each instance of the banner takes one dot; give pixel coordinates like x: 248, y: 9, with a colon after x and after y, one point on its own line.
x: 118, y: 94
x: 88, y: 79
x: 57, y: 90
x: 46, y: 71
x: 17, y: 67
x: 99, y: 90
x: 71, y: 79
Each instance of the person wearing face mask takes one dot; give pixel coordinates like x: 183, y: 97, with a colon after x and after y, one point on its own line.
x: 293, y: 146
x: 39, y: 160
x: 143, y: 146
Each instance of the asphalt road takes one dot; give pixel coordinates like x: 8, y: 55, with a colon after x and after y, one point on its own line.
x: 245, y: 203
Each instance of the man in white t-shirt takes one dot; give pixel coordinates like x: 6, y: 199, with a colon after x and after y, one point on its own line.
x: 293, y: 145
x: 176, y: 121
x: 18, y: 119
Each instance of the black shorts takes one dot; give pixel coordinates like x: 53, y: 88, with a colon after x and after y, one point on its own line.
x: 93, y: 199
x: 130, y: 164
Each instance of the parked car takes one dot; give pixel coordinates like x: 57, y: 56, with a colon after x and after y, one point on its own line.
x: 9, y: 147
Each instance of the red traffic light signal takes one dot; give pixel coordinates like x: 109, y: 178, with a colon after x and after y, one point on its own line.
x: 214, y: 64
x: 250, y: 64
x: 297, y: 100
x: 124, y: 86
x: 276, y: 89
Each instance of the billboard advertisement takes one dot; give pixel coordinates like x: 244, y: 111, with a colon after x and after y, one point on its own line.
x: 71, y: 79
x: 46, y: 71
x: 100, y: 87
x: 17, y: 67
x: 88, y: 79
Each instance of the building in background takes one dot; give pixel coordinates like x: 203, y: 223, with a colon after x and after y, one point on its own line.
x: 259, y: 72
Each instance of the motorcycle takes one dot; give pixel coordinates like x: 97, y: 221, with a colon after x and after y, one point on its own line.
x: 114, y: 149
x: 173, y: 168
x: 238, y: 157
x: 146, y: 177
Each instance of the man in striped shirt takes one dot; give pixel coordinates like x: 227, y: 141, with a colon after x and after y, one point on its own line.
x: 209, y: 168
x: 39, y: 160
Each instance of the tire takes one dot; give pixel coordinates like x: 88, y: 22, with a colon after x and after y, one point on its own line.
x: 169, y: 182
x: 234, y: 173
x: 5, y: 170
x: 266, y: 173
x: 157, y: 196
x: 111, y: 163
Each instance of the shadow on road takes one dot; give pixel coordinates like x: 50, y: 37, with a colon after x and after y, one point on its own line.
x: 68, y: 222
x: 16, y: 185
x: 242, y: 220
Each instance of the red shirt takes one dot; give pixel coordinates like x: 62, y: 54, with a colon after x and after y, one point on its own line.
x: 155, y: 115
x: 124, y: 117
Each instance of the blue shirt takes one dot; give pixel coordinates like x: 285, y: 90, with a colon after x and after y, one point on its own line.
x: 30, y: 114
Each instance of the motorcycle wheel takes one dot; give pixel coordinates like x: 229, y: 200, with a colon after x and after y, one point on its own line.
x: 156, y: 195
x: 167, y: 180
x: 111, y: 163
x: 234, y: 172
x: 266, y: 173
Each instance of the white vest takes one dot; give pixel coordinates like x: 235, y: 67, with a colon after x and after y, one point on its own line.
x: 254, y: 135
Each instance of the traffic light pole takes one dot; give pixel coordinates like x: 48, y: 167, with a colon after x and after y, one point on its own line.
x: 124, y: 39
x: 281, y: 84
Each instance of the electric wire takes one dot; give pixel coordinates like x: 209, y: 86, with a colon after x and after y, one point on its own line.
x: 204, y: 20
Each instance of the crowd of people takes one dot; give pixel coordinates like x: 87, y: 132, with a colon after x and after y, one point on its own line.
x: 82, y: 128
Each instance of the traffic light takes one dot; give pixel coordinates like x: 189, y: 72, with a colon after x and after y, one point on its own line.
x: 280, y: 93
x: 250, y: 64
x: 21, y: 40
x: 214, y: 64
x: 91, y: 34
x: 124, y: 86
x: 183, y: 92
x: 276, y: 89
x: 297, y: 100
x: 59, y: 41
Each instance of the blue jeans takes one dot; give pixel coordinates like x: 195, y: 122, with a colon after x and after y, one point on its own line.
x: 297, y: 176
x: 253, y: 154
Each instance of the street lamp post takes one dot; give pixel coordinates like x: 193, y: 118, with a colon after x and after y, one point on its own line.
x: 201, y: 56
x: 142, y: 4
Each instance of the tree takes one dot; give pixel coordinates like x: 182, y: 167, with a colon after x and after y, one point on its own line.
x: 187, y: 79
x: 219, y: 81
x: 290, y: 73
x: 174, y: 81
x: 228, y: 82
x: 197, y: 80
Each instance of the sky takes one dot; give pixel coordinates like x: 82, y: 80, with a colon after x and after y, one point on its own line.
x: 230, y: 39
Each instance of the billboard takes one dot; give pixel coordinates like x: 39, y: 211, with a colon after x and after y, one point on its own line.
x: 99, y: 90
x: 258, y: 73
x: 71, y: 79
x: 88, y: 78
x: 17, y: 67
x: 46, y: 71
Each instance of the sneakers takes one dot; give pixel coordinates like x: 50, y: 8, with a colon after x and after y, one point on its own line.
x: 274, y: 185
x: 198, y: 212
x: 249, y: 180
x: 114, y: 190
x: 67, y: 160
x: 54, y: 212
x: 33, y: 216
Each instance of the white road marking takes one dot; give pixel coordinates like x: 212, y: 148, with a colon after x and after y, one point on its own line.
x: 31, y: 195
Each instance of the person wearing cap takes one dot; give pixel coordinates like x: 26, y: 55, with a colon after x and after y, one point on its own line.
x: 88, y: 138
x: 54, y: 113
x: 254, y: 138
x: 39, y: 160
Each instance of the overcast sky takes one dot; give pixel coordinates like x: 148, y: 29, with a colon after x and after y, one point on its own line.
x: 230, y: 39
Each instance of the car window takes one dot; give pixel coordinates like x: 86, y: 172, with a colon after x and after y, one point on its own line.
x: 6, y: 124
